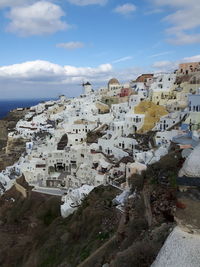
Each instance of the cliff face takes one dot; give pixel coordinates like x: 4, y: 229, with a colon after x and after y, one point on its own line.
x: 3, y: 133
x: 33, y: 234
x: 10, y: 150
x: 9, y: 122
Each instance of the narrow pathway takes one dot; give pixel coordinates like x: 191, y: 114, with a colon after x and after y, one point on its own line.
x: 90, y: 261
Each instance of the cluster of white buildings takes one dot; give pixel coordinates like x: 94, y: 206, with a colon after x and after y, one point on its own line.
x: 60, y: 155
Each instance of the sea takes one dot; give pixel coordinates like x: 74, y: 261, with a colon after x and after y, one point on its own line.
x: 8, y: 105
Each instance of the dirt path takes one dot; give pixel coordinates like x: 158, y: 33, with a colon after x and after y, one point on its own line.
x: 92, y: 260
x: 148, y: 212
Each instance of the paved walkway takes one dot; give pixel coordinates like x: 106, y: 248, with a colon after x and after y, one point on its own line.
x: 180, y: 250
x: 50, y: 191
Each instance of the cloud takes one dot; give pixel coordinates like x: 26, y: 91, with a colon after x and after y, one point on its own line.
x: 192, y: 59
x: 165, y: 66
x: 11, y: 3
x: 42, y: 79
x: 161, y: 64
x: 71, y: 45
x: 184, y: 20
x: 125, y: 9
x: 40, y: 18
x: 87, y: 2
x: 128, y: 74
x: 172, y: 65
x: 177, y: 3
x: 161, y: 54
x: 35, y: 78
x: 47, y: 72
x: 87, y: 72
x: 154, y: 11
x: 184, y: 38
x: 122, y: 59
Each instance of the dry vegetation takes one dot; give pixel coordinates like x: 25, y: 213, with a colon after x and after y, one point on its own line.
x: 97, y: 233
x: 37, y: 236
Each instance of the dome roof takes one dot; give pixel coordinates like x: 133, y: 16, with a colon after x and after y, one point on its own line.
x: 113, y: 81
x: 191, y: 166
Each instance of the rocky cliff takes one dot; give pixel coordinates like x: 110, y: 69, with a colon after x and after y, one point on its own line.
x: 34, y: 235
x: 14, y: 147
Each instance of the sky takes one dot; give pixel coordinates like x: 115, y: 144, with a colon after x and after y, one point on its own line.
x: 48, y: 48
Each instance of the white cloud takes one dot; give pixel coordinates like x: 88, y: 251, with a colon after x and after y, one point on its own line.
x: 44, y: 71
x: 154, y: 11
x: 184, y: 19
x: 161, y: 54
x: 127, y: 74
x: 125, y: 9
x: 42, y: 78
x: 88, y: 72
x: 39, y: 79
x: 122, y: 59
x: 184, y: 38
x: 10, y: 3
x: 162, y: 64
x: 37, y: 74
x: 71, y: 45
x: 37, y: 19
x: 192, y: 59
x: 165, y: 65
x: 178, y: 3
x: 87, y: 2
x: 172, y: 65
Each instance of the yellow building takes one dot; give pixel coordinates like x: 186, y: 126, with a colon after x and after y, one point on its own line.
x: 152, y: 112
